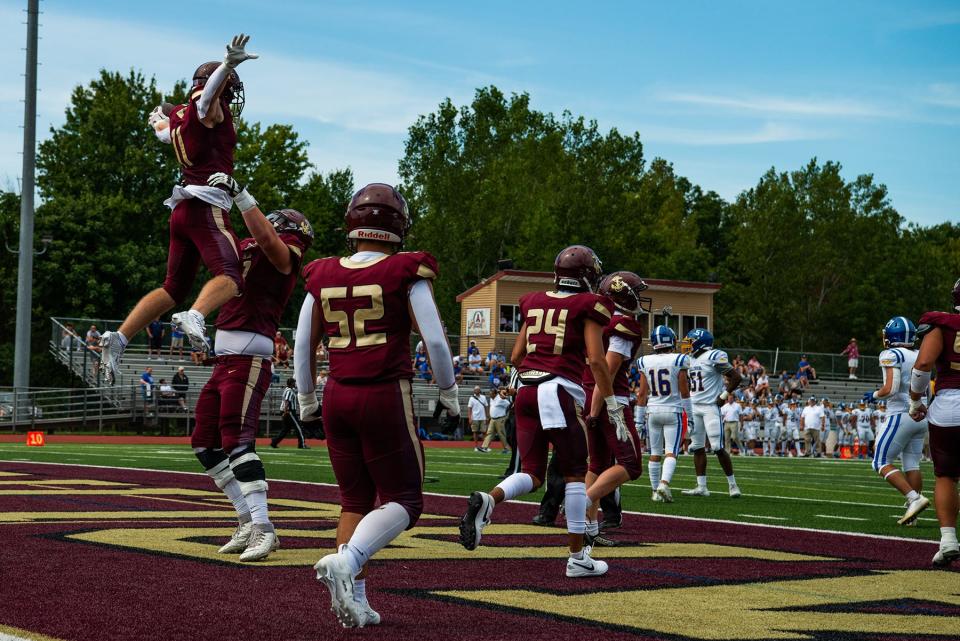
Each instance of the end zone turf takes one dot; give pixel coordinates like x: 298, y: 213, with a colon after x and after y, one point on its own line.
x: 108, y: 553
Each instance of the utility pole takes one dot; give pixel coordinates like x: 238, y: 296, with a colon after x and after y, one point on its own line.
x: 21, y: 361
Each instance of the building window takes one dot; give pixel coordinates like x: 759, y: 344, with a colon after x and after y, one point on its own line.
x: 693, y: 322
x: 510, y: 319
x: 672, y: 321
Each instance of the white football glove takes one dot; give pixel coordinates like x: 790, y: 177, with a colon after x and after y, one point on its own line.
x: 240, y: 195
x: 449, y: 398
x: 308, y: 406
x: 236, y: 52
x: 156, y: 116
x: 615, y: 412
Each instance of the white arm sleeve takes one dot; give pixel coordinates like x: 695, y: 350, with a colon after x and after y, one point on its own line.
x: 302, y: 350
x: 428, y: 320
x: 894, y: 373
x: 210, y: 89
x: 919, y: 381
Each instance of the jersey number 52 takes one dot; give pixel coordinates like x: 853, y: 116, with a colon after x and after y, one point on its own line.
x: 374, y: 311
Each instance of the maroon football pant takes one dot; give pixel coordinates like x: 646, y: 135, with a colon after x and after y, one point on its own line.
x: 373, y: 445
x: 569, y: 443
x: 228, y: 410
x: 200, y: 231
x: 605, y: 447
x: 945, y: 450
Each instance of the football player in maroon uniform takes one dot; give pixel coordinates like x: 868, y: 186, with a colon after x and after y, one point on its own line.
x: 560, y: 329
x: 203, y: 137
x: 367, y: 304
x: 941, y: 349
x: 615, y: 456
x: 228, y: 408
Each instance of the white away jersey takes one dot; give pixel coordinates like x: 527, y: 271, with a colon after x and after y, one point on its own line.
x: 863, y: 416
x: 771, y: 415
x: 792, y: 417
x: 706, y: 375
x: 903, y: 359
x: 662, y: 372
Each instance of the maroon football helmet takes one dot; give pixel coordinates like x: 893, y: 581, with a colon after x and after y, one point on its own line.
x: 577, y: 268
x: 291, y: 221
x: 624, y: 288
x: 233, y: 92
x: 377, y: 212
x: 956, y: 295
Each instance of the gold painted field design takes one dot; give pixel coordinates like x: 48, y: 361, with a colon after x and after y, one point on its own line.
x: 668, y: 579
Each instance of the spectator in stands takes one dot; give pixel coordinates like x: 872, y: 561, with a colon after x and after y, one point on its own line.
x: 93, y: 339
x: 421, y: 365
x: 763, y: 384
x: 321, y: 382
x: 754, y: 368
x: 181, y: 383
x: 479, y: 407
x: 473, y: 349
x: 498, y: 375
x: 474, y: 361
x: 69, y: 339
x: 167, y: 395
x: 424, y: 372
x: 176, y: 341
x: 805, y: 370
x: 154, y: 338
x: 146, y: 386
x: 852, y: 352
x: 281, y: 350
x: 740, y: 366
x: 322, y: 355
x: 457, y: 370
x: 490, y: 360
x: 784, y: 386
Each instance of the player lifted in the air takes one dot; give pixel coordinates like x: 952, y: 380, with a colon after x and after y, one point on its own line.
x: 615, y: 456
x: 712, y: 380
x: 367, y: 305
x: 665, y: 392
x: 203, y: 137
x: 899, y: 434
x: 560, y: 329
x: 228, y: 408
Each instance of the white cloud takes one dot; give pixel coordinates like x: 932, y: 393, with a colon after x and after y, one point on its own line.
x: 779, y: 105
x: 944, y: 95
x: 770, y: 132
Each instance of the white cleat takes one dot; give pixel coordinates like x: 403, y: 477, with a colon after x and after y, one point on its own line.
x: 110, y: 355
x: 735, y: 492
x: 262, y: 542
x: 914, y: 508
x: 334, y: 572
x: 697, y: 491
x: 238, y: 542
x: 656, y: 498
x: 664, y: 491
x: 585, y: 566
x: 477, y: 517
x: 368, y: 616
x: 191, y: 323
x: 946, y: 555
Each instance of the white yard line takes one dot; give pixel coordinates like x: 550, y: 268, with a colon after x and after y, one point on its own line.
x: 760, y: 516
x: 842, y: 518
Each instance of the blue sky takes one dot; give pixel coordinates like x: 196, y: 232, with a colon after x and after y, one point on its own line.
x: 722, y: 90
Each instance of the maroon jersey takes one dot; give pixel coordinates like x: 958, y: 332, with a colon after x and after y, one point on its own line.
x: 201, y: 150
x: 948, y: 363
x: 366, y: 313
x: 627, y: 328
x: 555, y: 323
x: 265, y: 292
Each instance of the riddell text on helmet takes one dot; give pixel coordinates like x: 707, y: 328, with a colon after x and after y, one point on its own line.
x: 373, y: 234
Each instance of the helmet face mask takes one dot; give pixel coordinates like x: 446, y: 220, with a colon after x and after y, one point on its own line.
x: 956, y: 295
x: 291, y: 221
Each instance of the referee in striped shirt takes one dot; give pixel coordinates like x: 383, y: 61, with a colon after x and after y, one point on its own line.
x: 290, y: 410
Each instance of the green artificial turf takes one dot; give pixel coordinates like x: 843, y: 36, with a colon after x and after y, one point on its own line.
x: 813, y: 493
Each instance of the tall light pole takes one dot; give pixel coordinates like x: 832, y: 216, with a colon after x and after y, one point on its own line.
x: 21, y: 360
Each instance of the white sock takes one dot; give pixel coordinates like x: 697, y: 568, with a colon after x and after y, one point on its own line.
x: 913, y: 495
x: 575, y: 500
x: 702, y: 481
x: 731, y: 480
x: 593, y: 528
x: 235, y: 494
x: 517, y: 484
x: 669, y: 465
x: 360, y: 590
x: 257, y: 502
x: 374, y: 531
x: 654, y: 467
x: 948, y: 535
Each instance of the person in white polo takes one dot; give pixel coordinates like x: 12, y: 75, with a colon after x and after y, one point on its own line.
x: 499, y: 408
x: 479, y: 406
x: 811, y: 424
